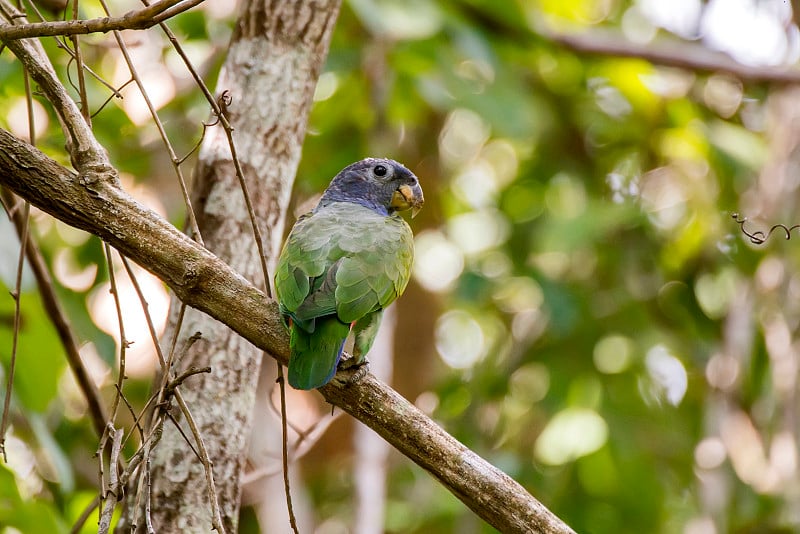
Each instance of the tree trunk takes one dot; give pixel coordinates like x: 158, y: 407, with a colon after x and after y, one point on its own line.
x: 274, y: 60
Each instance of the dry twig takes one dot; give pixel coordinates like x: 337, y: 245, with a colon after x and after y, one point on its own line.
x: 133, y: 20
x: 114, y: 491
x: 15, y: 337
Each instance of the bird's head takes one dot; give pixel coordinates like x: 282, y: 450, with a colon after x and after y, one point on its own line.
x: 382, y: 185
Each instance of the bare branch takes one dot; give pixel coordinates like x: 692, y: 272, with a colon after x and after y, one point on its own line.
x: 287, y: 490
x: 671, y: 53
x: 148, y: 520
x: 203, y: 281
x: 113, y: 494
x: 123, y: 342
x: 12, y: 365
x: 140, y: 19
x: 184, y: 375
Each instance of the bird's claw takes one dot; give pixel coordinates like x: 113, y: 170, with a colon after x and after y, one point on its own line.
x: 359, y: 373
x: 356, y: 370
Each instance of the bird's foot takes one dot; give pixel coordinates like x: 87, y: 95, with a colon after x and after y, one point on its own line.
x: 354, y: 370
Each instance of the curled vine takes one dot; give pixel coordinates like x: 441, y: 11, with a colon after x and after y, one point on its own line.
x: 759, y: 237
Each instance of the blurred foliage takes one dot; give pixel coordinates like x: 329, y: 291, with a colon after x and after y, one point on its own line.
x: 586, y: 314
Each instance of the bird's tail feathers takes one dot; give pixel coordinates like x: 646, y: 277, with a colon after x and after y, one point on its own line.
x: 315, y: 355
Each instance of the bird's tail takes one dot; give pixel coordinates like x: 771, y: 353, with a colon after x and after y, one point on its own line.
x: 314, y: 356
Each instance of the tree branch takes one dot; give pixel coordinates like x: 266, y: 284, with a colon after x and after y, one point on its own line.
x: 133, y: 20
x: 670, y: 53
x: 203, y: 281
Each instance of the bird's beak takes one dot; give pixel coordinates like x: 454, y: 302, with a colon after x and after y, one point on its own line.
x: 408, y: 196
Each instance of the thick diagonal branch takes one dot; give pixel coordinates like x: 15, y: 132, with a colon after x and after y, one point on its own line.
x: 203, y: 281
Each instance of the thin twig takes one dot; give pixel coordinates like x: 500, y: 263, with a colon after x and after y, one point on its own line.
x: 277, y: 411
x: 123, y: 342
x: 113, y: 493
x: 79, y: 62
x: 114, y: 94
x: 285, y: 450
x: 166, y: 372
x: 184, y: 375
x: 133, y: 20
x: 148, y: 521
x: 182, y: 433
x: 23, y: 242
x: 133, y: 414
x: 15, y: 337
x: 138, y: 418
x: 146, y: 310
x: 199, y: 142
x: 78, y: 526
x: 187, y: 344
x: 158, y: 399
x: 142, y: 454
x: 246, y: 193
x: 109, y: 427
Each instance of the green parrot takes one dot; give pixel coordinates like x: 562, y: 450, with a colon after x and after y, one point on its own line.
x: 343, y: 263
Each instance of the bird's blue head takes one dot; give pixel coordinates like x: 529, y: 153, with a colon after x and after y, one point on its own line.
x: 383, y: 185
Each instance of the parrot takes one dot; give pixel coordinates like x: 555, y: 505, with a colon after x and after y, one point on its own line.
x: 342, y: 264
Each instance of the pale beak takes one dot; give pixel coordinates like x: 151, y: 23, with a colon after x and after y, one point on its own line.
x: 408, y: 197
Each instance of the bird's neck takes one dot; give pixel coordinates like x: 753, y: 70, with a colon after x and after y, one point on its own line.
x: 332, y: 196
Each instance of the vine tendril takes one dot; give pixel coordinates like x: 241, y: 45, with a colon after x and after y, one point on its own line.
x: 758, y: 237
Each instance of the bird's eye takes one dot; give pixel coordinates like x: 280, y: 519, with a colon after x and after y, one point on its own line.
x: 380, y: 170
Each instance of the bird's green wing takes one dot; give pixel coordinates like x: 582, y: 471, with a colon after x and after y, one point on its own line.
x: 303, y: 260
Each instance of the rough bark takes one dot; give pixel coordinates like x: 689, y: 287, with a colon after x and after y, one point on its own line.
x: 205, y: 282
x: 273, y: 62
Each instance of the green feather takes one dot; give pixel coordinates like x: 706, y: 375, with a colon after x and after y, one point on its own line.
x: 365, y: 332
x: 314, y: 356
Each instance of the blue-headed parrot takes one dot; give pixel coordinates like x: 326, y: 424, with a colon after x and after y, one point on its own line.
x: 343, y: 263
